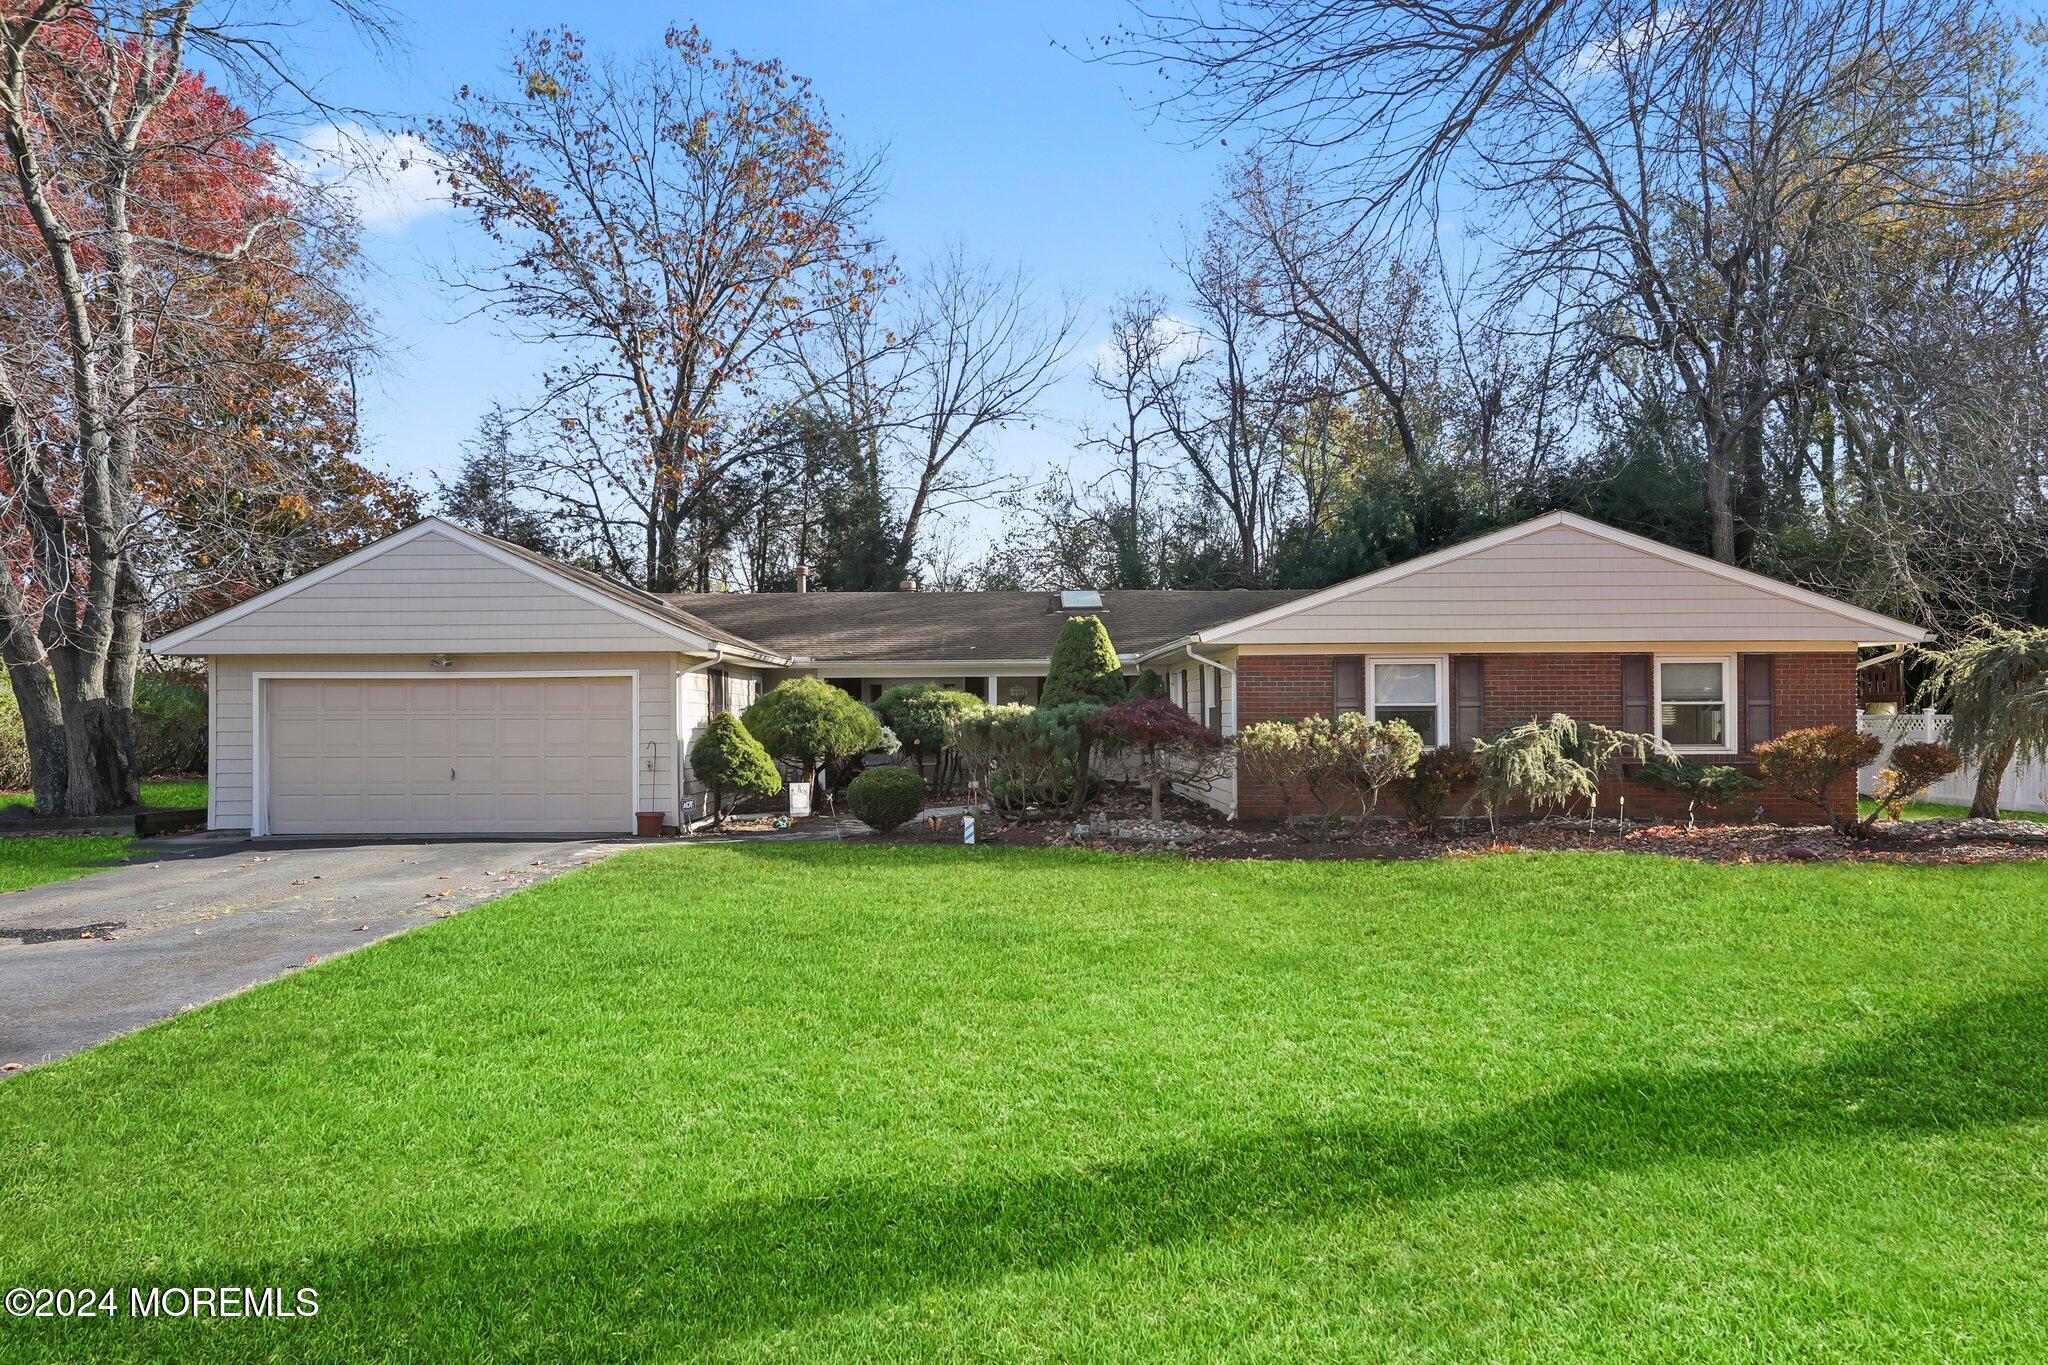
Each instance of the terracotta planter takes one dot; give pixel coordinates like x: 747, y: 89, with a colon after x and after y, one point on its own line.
x: 649, y: 823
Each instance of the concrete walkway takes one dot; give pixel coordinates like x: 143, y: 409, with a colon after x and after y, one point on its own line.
x: 195, y: 919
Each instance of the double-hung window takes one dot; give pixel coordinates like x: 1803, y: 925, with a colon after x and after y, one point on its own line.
x: 1693, y: 704
x: 1411, y: 690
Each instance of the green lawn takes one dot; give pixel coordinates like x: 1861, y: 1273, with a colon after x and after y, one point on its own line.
x: 162, y: 795
x: 1934, y: 810
x: 811, y: 1102
x: 35, y: 859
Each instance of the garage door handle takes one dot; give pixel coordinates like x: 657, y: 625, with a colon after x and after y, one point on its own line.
x: 451, y: 774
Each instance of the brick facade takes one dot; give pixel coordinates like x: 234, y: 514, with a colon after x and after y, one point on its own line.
x: 1807, y: 689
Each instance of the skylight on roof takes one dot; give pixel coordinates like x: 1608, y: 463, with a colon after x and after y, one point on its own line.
x: 1080, y: 599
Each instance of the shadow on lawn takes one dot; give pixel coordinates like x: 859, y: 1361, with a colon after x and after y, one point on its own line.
x: 661, y: 1285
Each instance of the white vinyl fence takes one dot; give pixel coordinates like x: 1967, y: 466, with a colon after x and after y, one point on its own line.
x: 2025, y: 786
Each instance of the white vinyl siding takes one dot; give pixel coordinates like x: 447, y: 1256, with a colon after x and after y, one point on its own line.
x: 1186, y: 685
x: 232, y: 687
x: 433, y: 595
x: 1557, y: 583
x: 743, y: 687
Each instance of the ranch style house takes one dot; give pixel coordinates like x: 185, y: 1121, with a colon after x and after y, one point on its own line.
x: 444, y: 682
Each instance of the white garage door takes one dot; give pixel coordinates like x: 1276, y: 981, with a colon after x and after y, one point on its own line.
x: 455, y: 756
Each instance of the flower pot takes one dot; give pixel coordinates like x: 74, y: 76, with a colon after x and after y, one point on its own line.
x: 649, y: 823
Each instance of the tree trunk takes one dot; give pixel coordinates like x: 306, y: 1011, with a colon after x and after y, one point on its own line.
x: 42, y: 721
x: 1720, y: 498
x: 1749, y: 492
x: 1990, y: 772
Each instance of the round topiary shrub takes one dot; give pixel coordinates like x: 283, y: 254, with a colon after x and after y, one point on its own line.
x: 732, y: 763
x: 883, y: 798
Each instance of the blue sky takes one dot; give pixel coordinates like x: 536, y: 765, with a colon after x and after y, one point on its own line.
x: 994, y: 136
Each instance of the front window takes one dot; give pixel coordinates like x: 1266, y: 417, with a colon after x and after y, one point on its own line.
x: 1409, y: 690
x: 1692, y: 703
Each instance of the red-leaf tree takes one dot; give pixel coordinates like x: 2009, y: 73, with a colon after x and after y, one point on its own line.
x: 1167, y: 743
x: 147, y: 242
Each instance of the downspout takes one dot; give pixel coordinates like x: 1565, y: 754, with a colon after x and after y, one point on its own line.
x: 1221, y: 667
x: 717, y: 658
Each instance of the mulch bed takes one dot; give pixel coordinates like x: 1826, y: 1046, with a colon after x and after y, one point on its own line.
x: 1195, y: 831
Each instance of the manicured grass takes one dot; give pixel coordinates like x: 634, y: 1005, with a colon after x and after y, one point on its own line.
x: 161, y: 795
x: 862, y: 1103
x: 174, y: 795
x: 32, y: 860
x: 1934, y: 810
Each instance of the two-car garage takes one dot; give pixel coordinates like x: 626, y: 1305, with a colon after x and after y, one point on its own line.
x: 443, y: 682
x: 463, y: 755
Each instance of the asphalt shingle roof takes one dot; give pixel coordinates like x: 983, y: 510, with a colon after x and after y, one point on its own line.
x: 963, y: 626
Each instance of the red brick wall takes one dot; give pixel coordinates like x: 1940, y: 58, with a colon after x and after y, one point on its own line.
x: 1808, y: 689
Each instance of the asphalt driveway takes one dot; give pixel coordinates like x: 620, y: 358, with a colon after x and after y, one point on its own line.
x: 193, y: 920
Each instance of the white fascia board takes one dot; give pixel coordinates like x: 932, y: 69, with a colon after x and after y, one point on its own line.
x: 185, y: 638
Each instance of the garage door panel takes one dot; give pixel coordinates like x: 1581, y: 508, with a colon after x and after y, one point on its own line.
x: 387, y: 735
x: 527, y: 756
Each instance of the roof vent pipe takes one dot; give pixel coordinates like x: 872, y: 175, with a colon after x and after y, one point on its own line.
x: 908, y: 585
x: 803, y: 578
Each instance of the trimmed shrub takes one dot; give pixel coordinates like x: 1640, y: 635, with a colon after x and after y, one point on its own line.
x: 1371, y: 755
x: 1148, y: 685
x: 1330, y: 761
x: 1084, y: 666
x: 926, y: 720
x: 1807, y: 764
x: 1701, y: 784
x: 732, y: 762
x: 808, y: 722
x: 1072, y: 729
x: 1016, y: 755
x: 884, y: 798
x: 1437, y: 774
x: 1912, y: 770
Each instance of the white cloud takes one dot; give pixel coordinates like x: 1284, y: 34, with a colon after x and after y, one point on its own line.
x: 1174, y: 338
x: 389, y: 178
x: 1601, y: 56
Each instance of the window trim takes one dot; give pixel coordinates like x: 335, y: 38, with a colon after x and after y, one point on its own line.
x: 1442, y: 664
x: 1728, y: 702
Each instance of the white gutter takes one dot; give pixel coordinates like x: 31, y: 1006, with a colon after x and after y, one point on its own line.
x: 717, y: 658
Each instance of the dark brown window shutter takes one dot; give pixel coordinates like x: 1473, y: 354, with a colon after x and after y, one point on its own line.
x: 1468, y: 678
x: 1635, y: 696
x: 1349, y: 685
x: 1759, y: 701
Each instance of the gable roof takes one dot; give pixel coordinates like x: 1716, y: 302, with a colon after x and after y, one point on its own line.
x: 641, y: 608
x: 968, y: 628
x: 1855, y: 623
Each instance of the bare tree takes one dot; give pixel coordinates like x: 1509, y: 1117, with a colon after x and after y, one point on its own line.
x: 1144, y: 337
x: 668, y: 225
x: 1227, y: 401
x: 1312, y: 272
x: 1386, y: 93
x: 981, y: 355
